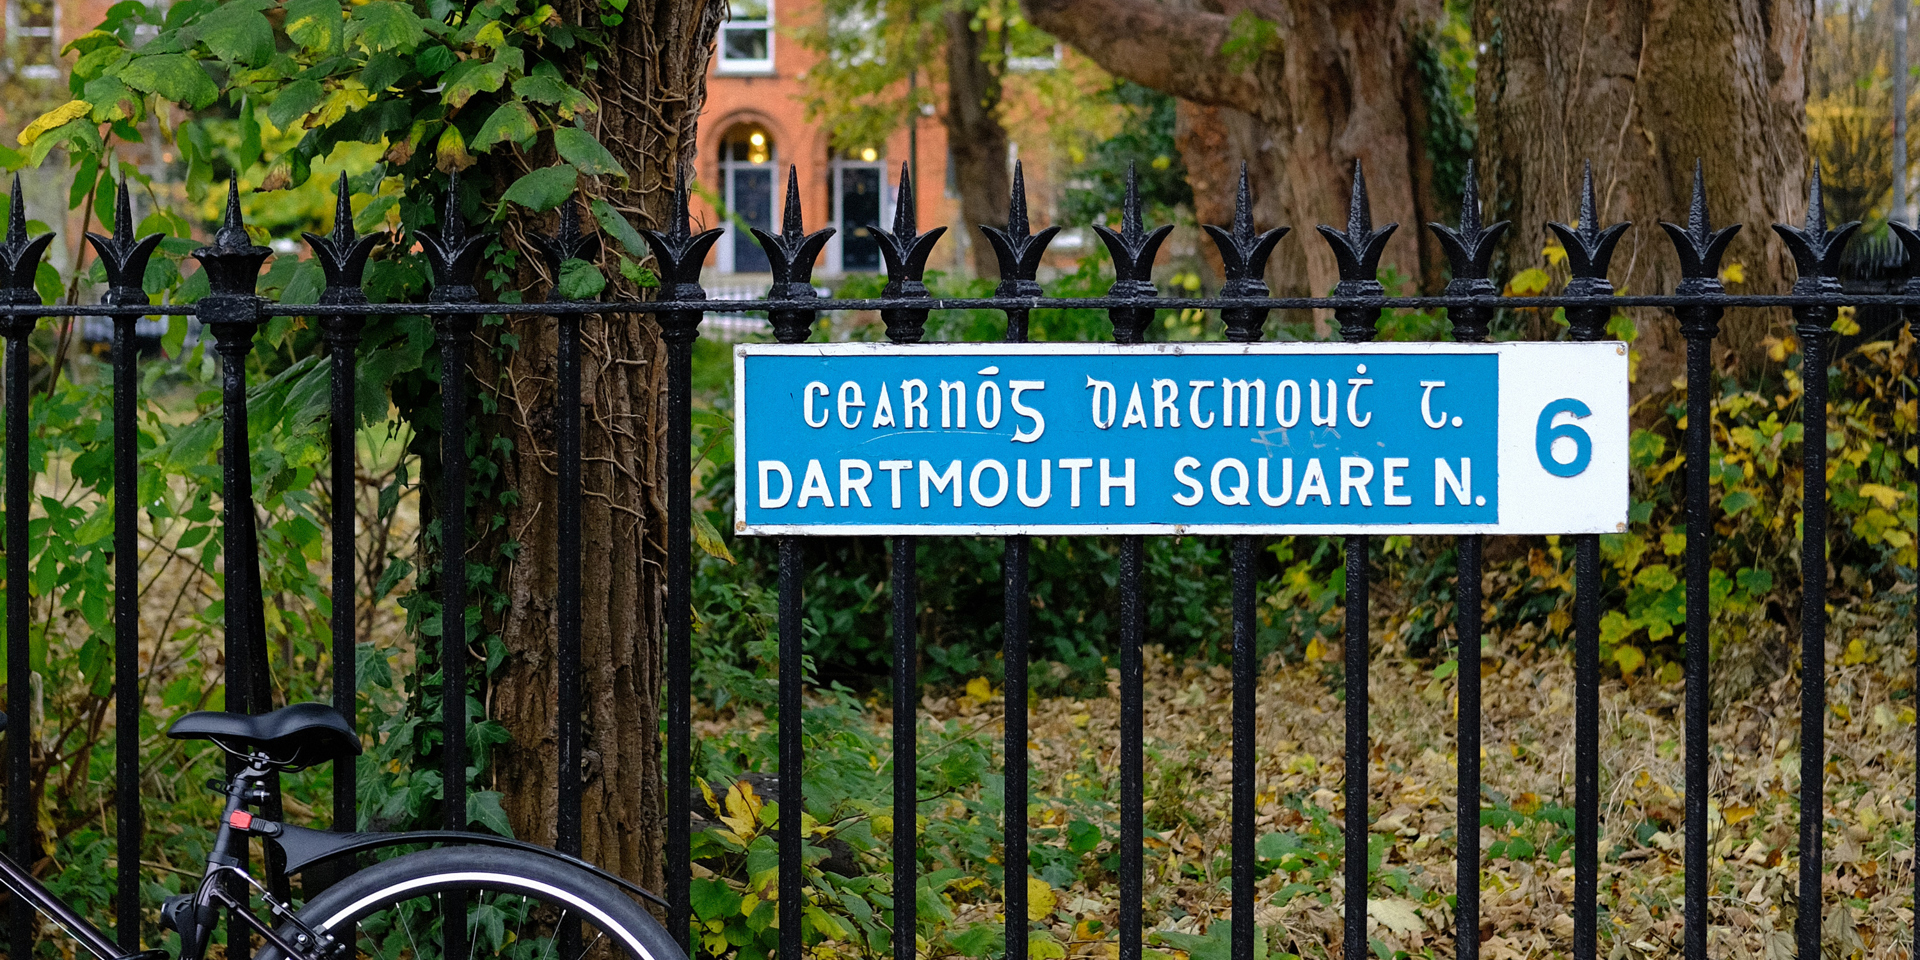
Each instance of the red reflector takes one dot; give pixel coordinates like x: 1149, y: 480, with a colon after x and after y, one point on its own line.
x: 241, y: 819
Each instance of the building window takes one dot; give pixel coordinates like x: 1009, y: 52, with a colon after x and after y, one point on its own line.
x: 32, y: 44
x: 746, y: 39
x: 746, y: 191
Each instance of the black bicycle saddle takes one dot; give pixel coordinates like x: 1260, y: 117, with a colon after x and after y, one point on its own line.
x: 296, y: 735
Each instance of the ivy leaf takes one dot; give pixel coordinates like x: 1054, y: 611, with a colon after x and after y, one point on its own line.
x: 483, y: 808
x: 580, y: 280
x: 314, y: 24
x: 617, y: 226
x: 469, y: 77
x: 579, y: 148
x: 174, y: 76
x: 450, y: 153
x: 511, y: 121
x: 553, y: 91
x: 296, y: 101
x: 238, y: 34
x: 386, y: 25
x: 543, y: 190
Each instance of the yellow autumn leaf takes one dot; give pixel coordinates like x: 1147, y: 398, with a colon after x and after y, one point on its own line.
x: 743, y: 808
x: 1530, y: 282
x: 1856, y: 653
x: 980, y: 689
x: 1629, y: 658
x: 59, y: 116
x: 1735, y: 272
x: 1042, y: 946
x: 1884, y: 495
x: 1526, y: 804
x: 1736, y: 813
x: 1040, y: 899
x: 1842, y: 711
x: 1315, y: 651
x: 1554, y: 252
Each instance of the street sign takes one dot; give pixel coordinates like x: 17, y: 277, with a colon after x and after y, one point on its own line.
x: 855, y: 439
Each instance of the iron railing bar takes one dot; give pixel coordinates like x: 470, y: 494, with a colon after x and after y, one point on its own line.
x: 1131, y: 310
x: 126, y: 629
x: 906, y: 749
x: 1246, y: 679
x: 20, y: 813
x: 267, y: 308
x: 678, y: 330
x: 792, y: 748
x: 1016, y: 654
x: 342, y: 335
x: 1816, y: 252
x: 567, y: 493
x: 1132, y: 748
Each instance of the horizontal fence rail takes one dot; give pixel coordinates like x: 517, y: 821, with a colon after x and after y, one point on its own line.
x: 232, y: 313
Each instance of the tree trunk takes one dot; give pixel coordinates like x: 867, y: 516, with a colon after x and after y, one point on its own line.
x: 649, y: 85
x: 1643, y: 89
x: 975, y: 137
x: 1300, y: 98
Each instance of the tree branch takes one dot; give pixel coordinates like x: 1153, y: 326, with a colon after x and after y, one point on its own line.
x: 1154, y: 45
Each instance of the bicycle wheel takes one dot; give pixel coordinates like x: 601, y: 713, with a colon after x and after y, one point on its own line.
x: 517, y: 905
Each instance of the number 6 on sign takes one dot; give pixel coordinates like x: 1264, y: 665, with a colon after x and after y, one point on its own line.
x: 1546, y: 433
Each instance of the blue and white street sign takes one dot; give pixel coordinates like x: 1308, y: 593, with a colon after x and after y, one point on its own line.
x: 1002, y: 438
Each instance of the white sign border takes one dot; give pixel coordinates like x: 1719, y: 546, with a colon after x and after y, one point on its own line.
x: 1512, y: 437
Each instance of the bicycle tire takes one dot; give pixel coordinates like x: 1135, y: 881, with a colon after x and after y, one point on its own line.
x: 370, y: 901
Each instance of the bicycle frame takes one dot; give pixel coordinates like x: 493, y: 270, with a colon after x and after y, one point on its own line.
x: 25, y: 886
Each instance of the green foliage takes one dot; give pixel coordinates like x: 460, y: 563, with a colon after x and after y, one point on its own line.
x: 1145, y: 143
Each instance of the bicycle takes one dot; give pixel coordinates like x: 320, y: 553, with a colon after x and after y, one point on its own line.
x: 517, y: 899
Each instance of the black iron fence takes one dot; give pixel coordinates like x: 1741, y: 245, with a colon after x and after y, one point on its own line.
x: 232, y: 313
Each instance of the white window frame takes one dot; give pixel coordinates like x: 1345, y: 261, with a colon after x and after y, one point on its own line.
x: 835, y: 264
x: 740, y: 67
x: 16, y: 31
x: 1036, y: 64
x: 730, y: 181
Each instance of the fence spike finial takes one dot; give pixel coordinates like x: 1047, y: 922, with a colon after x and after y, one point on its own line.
x: 1131, y: 221
x: 17, y: 215
x: 905, y: 218
x: 680, y: 221
x: 790, y: 257
x: 1359, y: 208
x: 1589, y: 250
x: 1133, y: 249
x: 1357, y: 251
x: 1017, y: 224
x: 1470, y: 202
x: 233, y: 232
x: 1816, y: 203
x: 1017, y: 248
x: 123, y: 255
x: 1469, y: 250
x: 1816, y: 250
x: 906, y: 252
x: 1589, y: 225
x: 122, y: 212
x: 1243, y: 208
x: 1699, y: 222
x: 454, y: 230
x: 1243, y: 254
x: 342, y: 257
x: 342, y: 212
x: 20, y: 259
x: 791, y: 225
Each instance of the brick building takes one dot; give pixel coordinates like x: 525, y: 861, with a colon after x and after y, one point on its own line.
x: 755, y: 126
